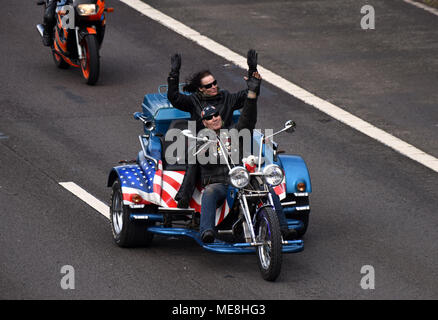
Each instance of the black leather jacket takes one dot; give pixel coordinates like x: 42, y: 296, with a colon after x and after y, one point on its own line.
x: 217, y: 173
x: 225, y: 102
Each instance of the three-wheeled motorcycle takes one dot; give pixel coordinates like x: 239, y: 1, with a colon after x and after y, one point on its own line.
x: 143, y: 192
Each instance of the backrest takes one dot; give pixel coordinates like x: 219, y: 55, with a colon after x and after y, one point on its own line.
x: 156, y: 106
x: 172, y: 155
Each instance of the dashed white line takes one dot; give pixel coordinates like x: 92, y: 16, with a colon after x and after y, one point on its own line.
x: 88, y: 198
x: 324, y: 106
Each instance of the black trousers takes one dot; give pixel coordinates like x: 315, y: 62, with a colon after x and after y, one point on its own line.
x: 49, y: 15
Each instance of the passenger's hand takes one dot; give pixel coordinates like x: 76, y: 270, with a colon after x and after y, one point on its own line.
x: 254, y: 82
x: 251, y: 59
x: 175, y: 62
x: 257, y: 75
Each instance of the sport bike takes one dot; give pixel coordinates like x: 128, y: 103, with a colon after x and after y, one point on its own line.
x: 78, y: 35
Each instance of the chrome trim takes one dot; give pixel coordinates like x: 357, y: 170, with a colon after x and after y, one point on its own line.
x: 80, y: 54
x: 175, y: 209
x: 244, y: 205
x: 136, y: 206
x: 140, y: 217
x: 144, y: 151
x: 40, y: 29
x: 290, y: 203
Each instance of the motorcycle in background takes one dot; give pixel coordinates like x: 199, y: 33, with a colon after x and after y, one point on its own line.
x: 78, y: 35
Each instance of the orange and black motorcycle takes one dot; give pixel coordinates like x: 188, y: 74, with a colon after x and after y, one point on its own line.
x: 78, y: 35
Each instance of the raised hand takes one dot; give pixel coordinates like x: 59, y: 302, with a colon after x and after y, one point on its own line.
x: 254, y: 82
x: 175, y: 62
x: 251, y: 59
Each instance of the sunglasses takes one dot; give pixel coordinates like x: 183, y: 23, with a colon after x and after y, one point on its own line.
x: 211, y: 117
x: 208, y: 86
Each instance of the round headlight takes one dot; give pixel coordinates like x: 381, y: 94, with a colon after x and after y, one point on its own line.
x: 86, y: 9
x: 239, y: 177
x: 273, y: 174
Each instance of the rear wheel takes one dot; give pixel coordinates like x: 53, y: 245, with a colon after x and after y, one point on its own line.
x: 90, y: 64
x: 270, y: 252
x: 126, y: 232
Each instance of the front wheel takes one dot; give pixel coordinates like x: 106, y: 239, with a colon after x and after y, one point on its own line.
x: 270, y: 252
x: 90, y: 64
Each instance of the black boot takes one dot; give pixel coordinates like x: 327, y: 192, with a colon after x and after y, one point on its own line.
x: 288, y: 234
x: 207, y: 236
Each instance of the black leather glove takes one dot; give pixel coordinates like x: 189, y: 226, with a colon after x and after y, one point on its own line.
x: 254, y: 84
x: 251, y: 59
x: 175, y: 62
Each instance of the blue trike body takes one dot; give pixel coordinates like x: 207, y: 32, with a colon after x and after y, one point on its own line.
x: 156, y: 183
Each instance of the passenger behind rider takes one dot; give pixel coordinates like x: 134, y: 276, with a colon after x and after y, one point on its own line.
x: 204, y: 91
x: 214, y: 176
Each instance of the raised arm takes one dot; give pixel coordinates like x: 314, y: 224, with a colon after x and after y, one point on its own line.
x: 180, y: 101
x: 240, y: 97
x: 248, y: 116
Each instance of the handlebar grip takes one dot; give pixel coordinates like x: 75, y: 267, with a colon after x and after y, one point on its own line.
x: 137, y: 115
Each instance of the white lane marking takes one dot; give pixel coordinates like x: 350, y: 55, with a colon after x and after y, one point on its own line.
x: 422, y: 6
x: 88, y: 198
x: 324, y: 106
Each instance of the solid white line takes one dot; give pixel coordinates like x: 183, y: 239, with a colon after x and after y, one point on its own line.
x: 289, y: 87
x: 422, y: 6
x: 89, y: 199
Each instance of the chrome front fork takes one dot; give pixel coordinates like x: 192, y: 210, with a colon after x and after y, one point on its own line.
x: 249, y: 224
x: 80, y: 54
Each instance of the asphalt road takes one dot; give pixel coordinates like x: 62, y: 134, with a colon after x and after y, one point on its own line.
x: 370, y: 205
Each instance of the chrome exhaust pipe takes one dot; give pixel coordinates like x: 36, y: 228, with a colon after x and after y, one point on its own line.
x: 40, y: 29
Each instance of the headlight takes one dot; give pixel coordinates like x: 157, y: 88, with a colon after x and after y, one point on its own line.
x: 86, y: 9
x: 273, y: 174
x: 239, y: 177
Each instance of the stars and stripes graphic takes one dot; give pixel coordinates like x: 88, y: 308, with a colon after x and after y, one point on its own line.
x: 136, y: 181
x: 159, y: 187
x: 280, y: 190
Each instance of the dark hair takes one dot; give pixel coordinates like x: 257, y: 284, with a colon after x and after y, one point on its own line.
x: 193, y: 83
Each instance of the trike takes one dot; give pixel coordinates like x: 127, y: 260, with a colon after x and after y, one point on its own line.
x: 143, y: 192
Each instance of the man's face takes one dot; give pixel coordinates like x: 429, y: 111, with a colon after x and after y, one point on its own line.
x: 215, y: 123
x: 208, y: 86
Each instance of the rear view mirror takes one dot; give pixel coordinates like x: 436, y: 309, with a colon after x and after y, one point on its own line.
x: 290, y: 126
x: 188, y: 133
x: 149, y: 124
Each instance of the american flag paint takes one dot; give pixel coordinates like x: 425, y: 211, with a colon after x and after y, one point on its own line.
x: 159, y: 187
x: 280, y: 190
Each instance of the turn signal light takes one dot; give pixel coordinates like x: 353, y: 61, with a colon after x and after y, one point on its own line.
x: 301, y: 187
x: 109, y: 10
x: 136, y: 199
